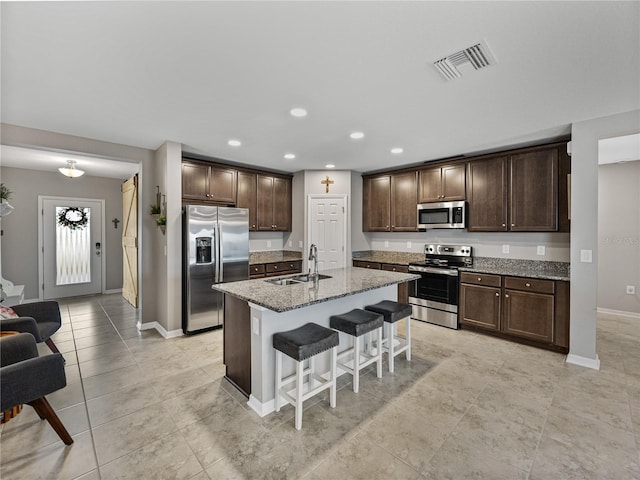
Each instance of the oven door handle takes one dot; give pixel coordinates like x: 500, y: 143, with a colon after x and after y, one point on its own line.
x: 451, y: 273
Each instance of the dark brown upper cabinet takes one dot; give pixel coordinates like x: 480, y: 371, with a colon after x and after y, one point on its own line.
x: 514, y: 192
x: 247, y: 196
x: 208, y: 183
x: 389, y: 203
x: 274, y: 203
x: 442, y: 184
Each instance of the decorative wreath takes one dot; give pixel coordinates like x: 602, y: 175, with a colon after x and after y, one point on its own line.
x: 74, y: 218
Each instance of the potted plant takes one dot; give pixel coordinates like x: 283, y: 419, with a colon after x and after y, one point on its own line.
x: 155, y: 209
x: 5, y: 195
x: 161, y: 221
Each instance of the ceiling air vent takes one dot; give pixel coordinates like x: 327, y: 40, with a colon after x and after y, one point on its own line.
x: 479, y: 56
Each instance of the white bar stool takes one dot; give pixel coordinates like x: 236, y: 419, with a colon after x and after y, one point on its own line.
x: 301, y: 344
x: 394, y: 312
x: 358, y: 323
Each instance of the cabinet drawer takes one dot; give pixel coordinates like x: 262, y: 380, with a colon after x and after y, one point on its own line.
x: 256, y: 269
x: 283, y: 267
x: 361, y: 264
x: 529, y: 284
x: 480, y: 279
x: 394, y: 268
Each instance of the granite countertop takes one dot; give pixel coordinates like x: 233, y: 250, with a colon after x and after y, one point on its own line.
x: 343, y: 282
x: 271, y: 256
x: 395, y: 258
x: 520, y: 268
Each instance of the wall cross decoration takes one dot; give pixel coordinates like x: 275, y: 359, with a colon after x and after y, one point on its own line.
x: 326, y: 182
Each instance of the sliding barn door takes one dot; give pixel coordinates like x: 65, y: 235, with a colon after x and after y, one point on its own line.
x: 130, y: 241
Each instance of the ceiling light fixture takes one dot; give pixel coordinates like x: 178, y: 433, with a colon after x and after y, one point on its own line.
x: 70, y: 170
x: 397, y: 150
x: 234, y: 142
x: 357, y: 135
x: 330, y: 165
x: 289, y: 156
x: 298, y: 112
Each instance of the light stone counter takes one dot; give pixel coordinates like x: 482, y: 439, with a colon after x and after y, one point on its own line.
x: 343, y: 283
x: 521, y: 268
x: 271, y: 256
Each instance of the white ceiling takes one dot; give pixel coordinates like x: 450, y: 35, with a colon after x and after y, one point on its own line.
x: 619, y: 149
x: 199, y: 73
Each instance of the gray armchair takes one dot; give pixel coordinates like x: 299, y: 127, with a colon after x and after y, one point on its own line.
x: 27, y: 378
x: 40, y: 319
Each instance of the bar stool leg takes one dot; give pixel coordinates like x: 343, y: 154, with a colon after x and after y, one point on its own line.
x: 312, y: 369
x: 408, y: 339
x: 278, y: 379
x: 379, y: 353
x: 390, y: 342
x: 334, y: 377
x: 356, y: 364
x: 299, y: 389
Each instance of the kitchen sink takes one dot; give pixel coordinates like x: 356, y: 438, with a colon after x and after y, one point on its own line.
x: 297, y: 279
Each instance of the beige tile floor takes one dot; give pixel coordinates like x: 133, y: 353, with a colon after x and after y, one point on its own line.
x: 467, y: 406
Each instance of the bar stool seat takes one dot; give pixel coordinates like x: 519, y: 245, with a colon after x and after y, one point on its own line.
x: 357, y: 323
x: 392, y: 313
x: 301, y: 344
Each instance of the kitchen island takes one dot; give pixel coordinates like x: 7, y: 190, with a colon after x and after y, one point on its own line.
x: 256, y: 309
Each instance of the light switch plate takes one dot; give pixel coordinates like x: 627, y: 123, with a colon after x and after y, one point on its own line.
x: 300, y: 244
x: 290, y: 243
x: 506, y: 248
x: 541, y: 250
x: 586, y: 256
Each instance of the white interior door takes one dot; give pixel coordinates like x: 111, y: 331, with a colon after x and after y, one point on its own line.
x: 327, y: 230
x: 72, y: 246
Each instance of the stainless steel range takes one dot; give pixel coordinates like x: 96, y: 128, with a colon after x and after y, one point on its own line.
x: 435, y: 299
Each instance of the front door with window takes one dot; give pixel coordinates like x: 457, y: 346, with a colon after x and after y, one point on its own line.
x: 72, y: 246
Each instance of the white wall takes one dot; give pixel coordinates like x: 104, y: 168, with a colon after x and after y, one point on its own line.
x: 20, y: 239
x: 584, y: 227
x: 359, y: 240
x: 619, y: 236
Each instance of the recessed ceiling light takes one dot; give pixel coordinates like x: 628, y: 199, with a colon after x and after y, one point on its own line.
x: 289, y: 156
x: 356, y: 135
x: 330, y: 165
x: 234, y: 142
x: 397, y: 150
x: 298, y: 112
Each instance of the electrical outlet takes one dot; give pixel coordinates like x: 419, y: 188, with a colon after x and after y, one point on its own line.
x: 300, y: 244
x: 409, y: 245
x: 506, y: 248
x: 586, y: 256
x: 290, y: 243
x: 386, y: 244
x: 268, y: 243
x: 631, y: 289
x: 541, y: 250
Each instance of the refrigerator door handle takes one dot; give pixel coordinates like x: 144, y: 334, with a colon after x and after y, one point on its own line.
x: 220, y: 258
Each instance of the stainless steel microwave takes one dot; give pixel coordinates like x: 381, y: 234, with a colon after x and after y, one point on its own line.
x: 441, y: 215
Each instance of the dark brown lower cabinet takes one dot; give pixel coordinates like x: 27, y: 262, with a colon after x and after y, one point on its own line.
x: 529, y: 310
x: 237, y: 343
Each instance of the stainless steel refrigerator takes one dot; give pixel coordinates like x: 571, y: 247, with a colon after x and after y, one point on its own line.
x: 215, y: 250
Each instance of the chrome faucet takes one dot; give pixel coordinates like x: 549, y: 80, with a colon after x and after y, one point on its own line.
x: 313, y: 255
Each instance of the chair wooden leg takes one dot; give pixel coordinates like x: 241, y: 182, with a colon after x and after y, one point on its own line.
x: 43, y: 408
x: 53, y: 348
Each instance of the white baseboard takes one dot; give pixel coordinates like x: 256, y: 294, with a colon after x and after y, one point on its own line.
x: 160, y: 329
x: 584, y: 361
x: 621, y: 313
x: 112, y: 290
x: 262, y: 409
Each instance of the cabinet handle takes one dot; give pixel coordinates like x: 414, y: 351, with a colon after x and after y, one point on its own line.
x: 527, y: 284
x: 513, y: 224
x: 275, y: 267
x: 253, y: 226
x: 479, y: 279
x: 506, y: 296
x: 504, y: 224
x: 497, y: 294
